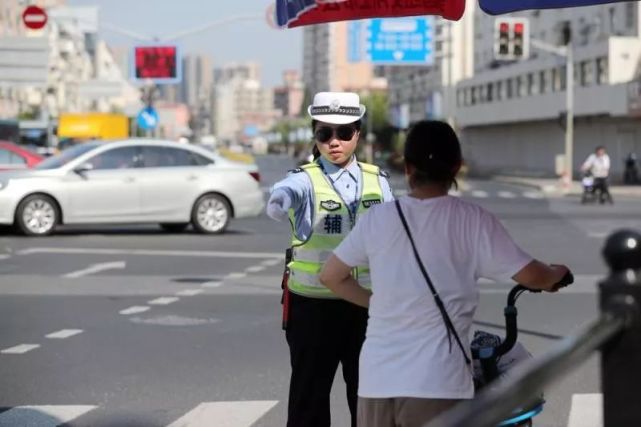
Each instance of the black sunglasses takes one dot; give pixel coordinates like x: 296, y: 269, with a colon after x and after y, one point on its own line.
x: 324, y: 134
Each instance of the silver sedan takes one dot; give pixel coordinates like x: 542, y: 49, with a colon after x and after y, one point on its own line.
x: 131, y: 181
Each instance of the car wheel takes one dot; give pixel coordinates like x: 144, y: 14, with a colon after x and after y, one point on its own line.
x: 174, y: 227
x: 37, y: 215
x: 211, y: 214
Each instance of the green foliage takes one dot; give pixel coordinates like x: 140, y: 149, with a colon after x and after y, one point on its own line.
x: 377, y: 108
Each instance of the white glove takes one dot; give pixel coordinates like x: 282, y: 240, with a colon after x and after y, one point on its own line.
x: 278, y: 205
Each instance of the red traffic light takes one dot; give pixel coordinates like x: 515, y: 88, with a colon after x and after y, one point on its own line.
x: 504, y: 27
x: 519, y: 28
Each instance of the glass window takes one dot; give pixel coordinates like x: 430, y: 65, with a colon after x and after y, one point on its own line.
x: 490, y: 92
x: 473, y: 96
x: 530, y: 84
x: 602, y: 70
x: 543, y: 81
x: 629, y: 14
x: 499, y: 90
x: 4, y: 157
x: 164, y: 157
x: 521, y: 86
x: 116, y: 158
x: 15, y: 159
x: 586, y: 73
x: 556, y: 80
x: 509, y: 88
x: 66, y: 156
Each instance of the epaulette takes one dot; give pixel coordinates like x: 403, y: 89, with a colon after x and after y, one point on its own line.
x: 297, y: 170
x: 383, y: 173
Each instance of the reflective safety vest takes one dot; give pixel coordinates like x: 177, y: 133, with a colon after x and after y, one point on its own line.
x: 332, y: 220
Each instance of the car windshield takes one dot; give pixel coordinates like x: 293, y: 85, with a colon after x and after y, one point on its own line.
x: 66, y: 156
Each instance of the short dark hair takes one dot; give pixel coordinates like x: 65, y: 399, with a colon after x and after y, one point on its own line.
x: 434, y: 150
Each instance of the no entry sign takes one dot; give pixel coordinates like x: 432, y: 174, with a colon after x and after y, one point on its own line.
x: 34, y: 17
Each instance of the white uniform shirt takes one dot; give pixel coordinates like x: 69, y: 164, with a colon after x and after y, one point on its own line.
x: 598, y: 165
x: 406, y: 351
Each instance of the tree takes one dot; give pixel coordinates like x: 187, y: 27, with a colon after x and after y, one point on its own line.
x: 377, y: 108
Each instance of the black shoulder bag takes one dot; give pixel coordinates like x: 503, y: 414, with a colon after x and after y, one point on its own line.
x: 449, y: 326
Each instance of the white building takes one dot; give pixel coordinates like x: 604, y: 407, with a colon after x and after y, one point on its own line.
x: 511, y: 116
x: 240, y: 104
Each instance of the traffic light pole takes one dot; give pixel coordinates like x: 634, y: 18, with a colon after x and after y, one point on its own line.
x: 565, y: 52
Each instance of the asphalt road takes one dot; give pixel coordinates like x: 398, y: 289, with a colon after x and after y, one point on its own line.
x: 132, y: 326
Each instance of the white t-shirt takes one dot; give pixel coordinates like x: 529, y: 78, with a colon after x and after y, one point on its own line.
x: 598, y: 165
x: 406, y: 351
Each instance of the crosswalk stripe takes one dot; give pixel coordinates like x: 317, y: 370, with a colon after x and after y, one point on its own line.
x: 479, y: 193
x: 213, y: 284
x: 163, y: 301
x: 42, y: 416
x: 63, y: 334
x: 225, y: 414
x: 255, y: 269
x: 533, y: 195
x: 271, y: 262
x: 586, y: 410
x: 189, y: 292
x: 20, y: 349
x: 134, y: 310
x: 506, y: 194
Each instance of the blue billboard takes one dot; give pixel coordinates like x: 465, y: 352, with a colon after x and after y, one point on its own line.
x: 400, y: 41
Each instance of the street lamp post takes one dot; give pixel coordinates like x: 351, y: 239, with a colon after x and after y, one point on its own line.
x: 565, y: 52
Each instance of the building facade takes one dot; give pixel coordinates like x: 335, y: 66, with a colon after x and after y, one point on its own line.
x: 326, y: 66
x: 288, y: 98
x: 512, y: 116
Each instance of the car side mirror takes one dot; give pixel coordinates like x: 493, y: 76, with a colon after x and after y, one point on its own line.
x: 83, y: 169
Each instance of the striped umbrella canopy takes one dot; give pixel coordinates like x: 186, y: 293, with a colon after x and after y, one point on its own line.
x: 295, y: 13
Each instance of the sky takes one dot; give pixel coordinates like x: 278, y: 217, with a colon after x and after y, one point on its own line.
x: 275, y: 50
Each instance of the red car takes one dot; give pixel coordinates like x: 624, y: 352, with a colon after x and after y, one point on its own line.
x: 13, y: 157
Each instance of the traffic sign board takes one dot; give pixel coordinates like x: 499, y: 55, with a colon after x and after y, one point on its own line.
x: 147, y: 118
x: 34, y: 17
x: 401, y: 41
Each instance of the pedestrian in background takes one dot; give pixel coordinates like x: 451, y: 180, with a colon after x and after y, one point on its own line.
x: 631, y: 171
x: 323, y: 200
x: 598, y: 165
x: 415, y: 362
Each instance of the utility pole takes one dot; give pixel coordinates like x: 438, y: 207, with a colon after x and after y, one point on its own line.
x: 565, y: 52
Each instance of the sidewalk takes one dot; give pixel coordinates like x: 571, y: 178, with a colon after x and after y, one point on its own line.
x: 554, y: 187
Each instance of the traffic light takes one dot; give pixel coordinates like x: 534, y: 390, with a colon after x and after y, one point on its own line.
x: 518, y: 39
x: 504, y: 39
x: 511, y: 39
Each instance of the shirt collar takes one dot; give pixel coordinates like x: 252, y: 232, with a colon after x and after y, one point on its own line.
x: 336, y: 172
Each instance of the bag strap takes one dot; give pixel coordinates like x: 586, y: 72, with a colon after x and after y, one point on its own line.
x: 449, y: 326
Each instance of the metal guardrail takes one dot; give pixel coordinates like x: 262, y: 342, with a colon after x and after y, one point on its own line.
x: 616, y: 333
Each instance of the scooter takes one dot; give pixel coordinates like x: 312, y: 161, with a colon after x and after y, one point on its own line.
x: 488, y: 349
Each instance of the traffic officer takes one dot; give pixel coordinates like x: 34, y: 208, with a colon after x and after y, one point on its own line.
x: 323, y: 200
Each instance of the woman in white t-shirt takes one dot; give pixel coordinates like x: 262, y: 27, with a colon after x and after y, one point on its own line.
x: 411, y: 367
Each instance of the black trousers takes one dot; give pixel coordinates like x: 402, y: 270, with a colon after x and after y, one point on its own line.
x: 601, y: 185
x: 322, y: 333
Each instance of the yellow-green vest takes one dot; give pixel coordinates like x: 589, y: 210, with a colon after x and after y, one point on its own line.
x: 331, y: 222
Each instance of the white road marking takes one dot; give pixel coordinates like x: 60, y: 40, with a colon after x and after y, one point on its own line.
x: 455, y: 193
x: 255, y: 269
x: 42, y: 416
x: 533, y: 195
x: 236, y: 276
x: 96, y: 268
x: 271, y: 262
x: 65, y: 333
x: 225, y: 414
x: 3, y: 256
x: 212, y: 284
x: 134, y: 310
x: 150, y: 252
x: 506, y: 194
x: 586, y: 410
x: 479, y: 193
x: 20, y: 349
x: 163, y: 301
x: 189, y: 292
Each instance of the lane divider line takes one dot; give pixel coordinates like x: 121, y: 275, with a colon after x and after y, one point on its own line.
x: 271, y: 262
x: 63, y: 334
x: 20, y: 349
x: 149, y: 252
x: 96, y: 268
x: 236, y: 276
x: 134, y: 310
